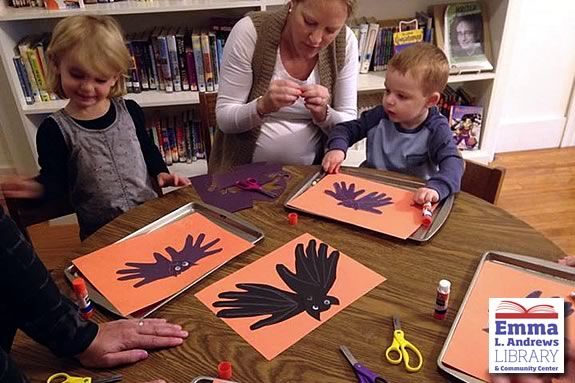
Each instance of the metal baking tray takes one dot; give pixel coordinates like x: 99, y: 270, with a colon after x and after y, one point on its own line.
x: 220, y: 217
x: 540, y: 267
x: 422, y: 234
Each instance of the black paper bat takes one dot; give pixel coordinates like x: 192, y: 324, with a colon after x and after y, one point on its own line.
x: 348, y: 197
x: 163, y: 267
x: 315, y: 274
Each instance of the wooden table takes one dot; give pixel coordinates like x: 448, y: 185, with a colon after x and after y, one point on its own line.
x: 412, y: 271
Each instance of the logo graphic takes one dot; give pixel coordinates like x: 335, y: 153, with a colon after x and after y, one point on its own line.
x: 526, y: 335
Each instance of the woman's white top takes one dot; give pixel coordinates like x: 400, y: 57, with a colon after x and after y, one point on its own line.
x: 288, y: 135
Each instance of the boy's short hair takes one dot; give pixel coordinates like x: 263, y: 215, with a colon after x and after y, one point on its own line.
x: 426, y: 62
x: 96, y: 42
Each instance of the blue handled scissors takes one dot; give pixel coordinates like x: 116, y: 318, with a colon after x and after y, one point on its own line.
x: 401, y: 346
x: 364, y: 374
x: 62, y: 377
x: 253, y: 185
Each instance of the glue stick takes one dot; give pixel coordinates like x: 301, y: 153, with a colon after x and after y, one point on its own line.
x: 86, y: 308
x: 426, y: 214
x: 442, y: 299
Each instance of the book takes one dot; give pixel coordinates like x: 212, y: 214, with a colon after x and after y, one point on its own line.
x: 466, y: 37
x: 372, y: 32
x: 465, y: 123
x: 23, y: 79
x: 63, y: 4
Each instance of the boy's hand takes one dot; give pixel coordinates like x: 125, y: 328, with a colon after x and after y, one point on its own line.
x: 423, y: 195
x: 167, y: 179
x: 332, y: 161
x: 316, y: 99
x: 21, y: 187
x: 568, y: 260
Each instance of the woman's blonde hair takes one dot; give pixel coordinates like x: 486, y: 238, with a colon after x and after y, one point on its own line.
x: 96, y: 43
x: 350, y: 4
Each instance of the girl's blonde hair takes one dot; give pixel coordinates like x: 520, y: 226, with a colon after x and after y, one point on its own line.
x: 96, y: 43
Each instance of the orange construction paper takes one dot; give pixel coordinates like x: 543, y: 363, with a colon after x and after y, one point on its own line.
x: 399, y: 219
x: 495, y: 281
x: 353, y: 280
x: 101, y: 266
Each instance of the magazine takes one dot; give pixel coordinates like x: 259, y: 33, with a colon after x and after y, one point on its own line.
x: 465, y: 123
x: 465, y: 38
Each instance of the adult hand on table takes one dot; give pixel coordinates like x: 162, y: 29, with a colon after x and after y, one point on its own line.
x: 126, y: 341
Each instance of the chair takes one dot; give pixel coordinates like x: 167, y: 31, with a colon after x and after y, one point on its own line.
x: 208, y: 122
x: 482, y: 181
x: 28, y: 212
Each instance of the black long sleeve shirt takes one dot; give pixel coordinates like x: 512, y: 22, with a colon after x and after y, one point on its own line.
x: 53, y: 153
x: 30, y: 301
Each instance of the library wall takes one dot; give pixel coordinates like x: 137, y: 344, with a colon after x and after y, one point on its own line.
x: 538, y: 75
x: 5, y: 159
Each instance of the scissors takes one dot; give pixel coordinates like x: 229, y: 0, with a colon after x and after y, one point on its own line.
x: 401, y: 346
x: 253, y: 185
x: 62, y: 377
x: 364, y: 374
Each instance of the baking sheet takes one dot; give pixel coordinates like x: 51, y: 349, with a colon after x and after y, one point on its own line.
x: 422, y: 234
x: 541, y: 268
x: 220, y: 217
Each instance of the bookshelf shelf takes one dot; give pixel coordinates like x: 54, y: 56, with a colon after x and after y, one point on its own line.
x: 145, y: 100
x: 374, y: 81
x: 128, y: 7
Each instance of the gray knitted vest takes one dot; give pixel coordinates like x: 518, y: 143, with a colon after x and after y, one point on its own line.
x: 106, y: 169
x: 230, y: 150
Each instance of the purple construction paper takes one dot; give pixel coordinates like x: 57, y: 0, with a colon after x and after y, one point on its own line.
x: 219, y: 190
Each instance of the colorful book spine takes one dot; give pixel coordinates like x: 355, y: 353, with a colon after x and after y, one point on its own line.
x: 182, y: 60
x: 207, y: 60
x: 199, y: 61
x: 23, y: 78
x: 173, y: 60
x: 165, y: 63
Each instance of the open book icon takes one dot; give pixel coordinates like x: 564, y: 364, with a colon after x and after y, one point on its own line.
x: 514, y: 310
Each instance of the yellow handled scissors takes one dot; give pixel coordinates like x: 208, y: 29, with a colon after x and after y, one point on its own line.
x: 62, y: 377
x: 401, y: 346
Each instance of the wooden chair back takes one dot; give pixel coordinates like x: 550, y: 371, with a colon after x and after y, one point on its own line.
x: 28, y: 212
x: 482, y: 181
x: 208, y: 122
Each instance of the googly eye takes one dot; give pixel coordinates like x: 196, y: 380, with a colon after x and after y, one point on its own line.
x: 177, y: 268
x: 314, y: 308
x: 185, y: 264
x: 327, y: 302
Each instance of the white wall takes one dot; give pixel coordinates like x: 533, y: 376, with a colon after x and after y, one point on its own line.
x: 539, y: 74
x: 5, y: 158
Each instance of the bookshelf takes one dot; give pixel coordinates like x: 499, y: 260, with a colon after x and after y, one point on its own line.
x: 20, y: 120
x: 484, y: 86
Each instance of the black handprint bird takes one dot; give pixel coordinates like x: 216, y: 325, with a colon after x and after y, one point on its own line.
x: 315, y: 274
x: 163, y: 267
x: 348, y: 198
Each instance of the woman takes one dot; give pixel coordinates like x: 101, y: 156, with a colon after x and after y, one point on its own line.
x: 287, y: 77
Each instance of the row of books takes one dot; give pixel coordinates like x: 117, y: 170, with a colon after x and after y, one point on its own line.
x: 56, y: 4
x: 379, y: 40
x: 175, y: 60
x: 178, y: 136
x: 170, y: 60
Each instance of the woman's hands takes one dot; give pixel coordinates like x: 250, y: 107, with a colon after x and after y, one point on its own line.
x: 316, y: 99
x: 282, y: 93
x: 126, y: 341
x: 21, y: 187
